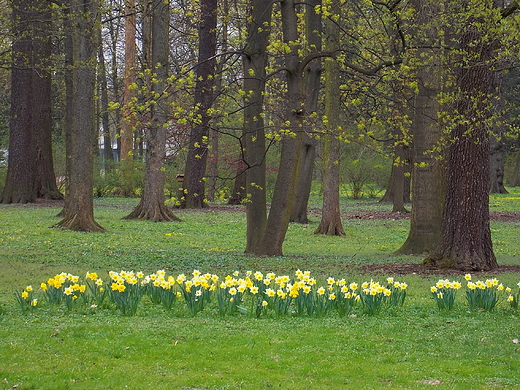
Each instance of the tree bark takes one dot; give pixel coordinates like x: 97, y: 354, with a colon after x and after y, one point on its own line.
x: 152, y: 206
x: 254, y: 64
x: 128, y: 117
x: 79, y: 210
x: 203, y: 100
x: 330, y: 223
x: 30, y: 172
x: 279, y: 213
x: 428, y: 184
x: 466, y: 235
x: 313, y: 71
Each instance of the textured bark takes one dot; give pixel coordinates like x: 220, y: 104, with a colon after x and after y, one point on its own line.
x: 30, y: 173
x: 279, y: 213
x: 128, y: 117
x: 151, y: 206
x: 313, y: 33
x: 466, y: 235
x: 19, y: 185
x: 330, y: 223
x: 203, y: 100
x: 254, y: 64
x: 79, y: 210
x: 428, y: 187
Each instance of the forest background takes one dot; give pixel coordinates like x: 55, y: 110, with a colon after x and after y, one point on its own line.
x: 248, y: 102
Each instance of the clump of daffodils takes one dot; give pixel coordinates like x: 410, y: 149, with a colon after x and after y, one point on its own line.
x: 483, y: 295
x: 26, y: 299
x: 444, y: 293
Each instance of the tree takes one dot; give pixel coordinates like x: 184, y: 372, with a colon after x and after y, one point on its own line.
x: 152, y: 205
x: 283, y: 194
x: 330, y: 223
x: 428, y: 187
x: 203, y: 101
x: 30, y: 173
x: 313, y: 35
x: 83, y: 29
x: 466, y: 235
x: 255, y: 61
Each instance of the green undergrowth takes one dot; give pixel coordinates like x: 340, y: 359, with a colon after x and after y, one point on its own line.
x: 411, y: 347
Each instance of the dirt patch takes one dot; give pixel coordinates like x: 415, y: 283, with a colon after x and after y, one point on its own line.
x: 496, y: 216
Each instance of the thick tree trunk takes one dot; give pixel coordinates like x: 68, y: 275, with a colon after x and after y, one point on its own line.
x: 254, y: 64
x: 203, y: 100
x: 30, y: 173
x: 79, y: 210
x: 19, y: 185
x: 428, y: 186
x: 466, y: 235
x: 151, y: 206
x: 330, y: 216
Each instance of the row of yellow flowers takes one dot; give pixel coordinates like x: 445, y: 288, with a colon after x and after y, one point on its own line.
x: 480, y: 295
x: 250, y: 292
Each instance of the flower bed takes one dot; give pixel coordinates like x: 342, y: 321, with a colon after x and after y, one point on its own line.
x: 250, y: 293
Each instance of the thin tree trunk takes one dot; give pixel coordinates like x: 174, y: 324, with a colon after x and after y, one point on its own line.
x: 203, y: 100
x: 152, y: 206
x: 128, y: 117
x: 254, y: 64
x: 312, y: 84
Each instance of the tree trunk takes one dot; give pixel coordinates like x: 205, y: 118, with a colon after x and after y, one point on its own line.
x: 515, y: 182
x: 428, y: 186
x: 279, y: 213
x: 128, y: 117
x: 79, y: 210
x: 45, y: 184
x: 254, y: 64
x: 108, y: 154
x: 239, y: 186
x: 330, y: 216
x: 312, y: 84
x: 30, y: 172
x: 496, y: 167
x: 19, y: 185
x: 390, y: 191
x: 466, y: 235
x: 203, y: 101
x: 151, y: 206
x: 215, y: 133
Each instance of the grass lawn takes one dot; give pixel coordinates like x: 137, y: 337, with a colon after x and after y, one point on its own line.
x: 410, y: 347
